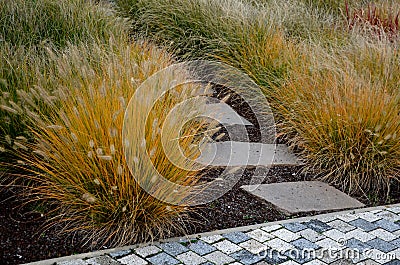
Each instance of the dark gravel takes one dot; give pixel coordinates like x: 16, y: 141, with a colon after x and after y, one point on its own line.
x: 23, y: 238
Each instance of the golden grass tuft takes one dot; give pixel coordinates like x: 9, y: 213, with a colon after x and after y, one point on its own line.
x: 76, y: 162
x: 29, y: 28
x: 344, y: 120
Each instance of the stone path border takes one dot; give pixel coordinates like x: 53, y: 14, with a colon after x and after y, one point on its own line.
x: 362, y: 236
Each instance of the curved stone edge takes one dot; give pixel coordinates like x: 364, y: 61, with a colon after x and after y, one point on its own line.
x: 205, y: 234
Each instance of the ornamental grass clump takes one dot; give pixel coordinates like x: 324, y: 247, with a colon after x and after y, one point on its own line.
x: 235, y: 32
x: 75, y: 162
x: 343, y: 118
x: 29, y: 28
x: 33, y: 23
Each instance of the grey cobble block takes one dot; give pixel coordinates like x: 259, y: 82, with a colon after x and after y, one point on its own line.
x: 236, y: 237
x: 347, y: 217
x: 363, y: 224
x: 335, y: 234
x: 396, y: 242
x: 295, y: 227
x: 270, y: 228
x: 212, y: 239
x: 260, y: 235
x: 274, y: 257
x: 227, y: 247
x: 304, y: 244
x: 191, y: 258
x: 201, y: 248
x: 173, y: 248
x: 285, y: 235
x: 328, y: 244
x: 387, y: 225
x: 370, y: 217
x: 253, y: 246
x: 381, y: 245
x: 163, y: 259
x: 395, y: 209
x: 102, y: 260
x: 147, y: 251
x: 299, y: 256
x: 219, y: 258
x: 389, y: 216
x: 343, y: 262
x: 327, y: 219
x: 132, y: 260
x: 370, y: 262
x: 379, y: 256
x: 360, y: 235
x: 317, y: 226
x: 341, y: 226
x: 315, y: 262
x: 120, y: 253
x: 311, y: 235
x: 262, y: 263
x: 357, y: 244
x: 278, y: 244
x: 393, y: 262
x: 326, y: 255
x: 246, y: 257
x: 383, y: 234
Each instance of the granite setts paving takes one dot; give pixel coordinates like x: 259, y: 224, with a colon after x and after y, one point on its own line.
x: 364, y: 237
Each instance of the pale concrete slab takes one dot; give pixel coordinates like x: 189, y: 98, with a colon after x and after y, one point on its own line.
x: 303, y: 196
x: 236, y: 154
x: 204, y: 91
x: 224, y: 114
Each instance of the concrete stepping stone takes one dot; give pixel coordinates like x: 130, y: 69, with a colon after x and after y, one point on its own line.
x: 224, y: 114
x: 204, y: 91
x: 303, y: 196
x: 236, y: 154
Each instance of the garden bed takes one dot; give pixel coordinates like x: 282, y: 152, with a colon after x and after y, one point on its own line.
x: 326, y: 77
x: 23, y: 240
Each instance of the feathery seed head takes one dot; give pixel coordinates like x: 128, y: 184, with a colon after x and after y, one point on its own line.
x: 99, y: 151
x: 105, y: 157
x: 112, y: 149
x: 8, y: 109
x: 74, y: 137
x: 54, y: 127
x: 89, y: 198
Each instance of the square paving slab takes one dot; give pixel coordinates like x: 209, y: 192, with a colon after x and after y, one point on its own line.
x: 224, y: 114
x: 236, y: 154
x: 303, y: 196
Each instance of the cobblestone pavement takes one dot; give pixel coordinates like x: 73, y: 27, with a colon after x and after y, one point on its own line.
x: 366, y: 237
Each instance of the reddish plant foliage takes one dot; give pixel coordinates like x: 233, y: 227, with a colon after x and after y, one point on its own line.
x: 380, y: 23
